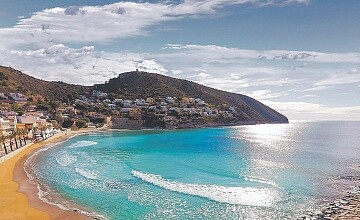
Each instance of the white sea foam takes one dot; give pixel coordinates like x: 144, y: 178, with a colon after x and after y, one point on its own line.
x: 231, y: 195
x: 65, y: 159
x: 29, y: 168
x: 44, y: 194
x: 89, y: 174
x: 47, y: 194
x: 260, y: 180
x: 83, y: 144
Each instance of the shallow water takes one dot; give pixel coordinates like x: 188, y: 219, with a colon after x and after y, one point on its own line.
x: 245, y: 172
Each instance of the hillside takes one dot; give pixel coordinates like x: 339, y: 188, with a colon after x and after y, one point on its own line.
x: 141, y: 85
x: 12, y: 80
x: 137, y: 84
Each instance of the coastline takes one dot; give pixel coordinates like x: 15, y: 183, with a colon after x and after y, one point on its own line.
x: 341, y: 208
x: 24, y: 203
x: 19, y: 198
x: 344, y: 208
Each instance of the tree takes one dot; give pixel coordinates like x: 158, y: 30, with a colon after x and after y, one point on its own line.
x: 70, y: 98
x: 153, y: 121
x: 68, y: 123
x: 98, y: 120
x: 59, y: 118
x: 43, y: 107
x: 16, y: 107
x: 13, y: 135
x: 80, y: 123
x: 22, y: 133
x: 81, y: 107
x: 2, y: 140
x: 9, y: 137
x: 42, y: 129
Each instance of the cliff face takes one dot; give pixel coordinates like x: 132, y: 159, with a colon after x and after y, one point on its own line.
x: 12, y: 80
x: 142, y: 84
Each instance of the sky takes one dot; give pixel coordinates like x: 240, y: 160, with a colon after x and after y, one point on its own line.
x: 300, y: 57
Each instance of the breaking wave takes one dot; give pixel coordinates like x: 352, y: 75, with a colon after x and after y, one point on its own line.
x: 82, y: 144
x: 260, y: 180
x: 232, y: 195
x: 65, y: 159
x: 89, y: 174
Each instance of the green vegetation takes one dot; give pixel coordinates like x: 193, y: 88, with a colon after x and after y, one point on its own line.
x: 81, y: 123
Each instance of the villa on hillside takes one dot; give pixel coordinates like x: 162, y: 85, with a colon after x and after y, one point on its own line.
x: 18, y: 97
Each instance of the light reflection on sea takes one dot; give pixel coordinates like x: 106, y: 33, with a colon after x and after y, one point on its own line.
x: 244, y: 172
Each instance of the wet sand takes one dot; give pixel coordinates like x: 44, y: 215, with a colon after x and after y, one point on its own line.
x: 19, y: 198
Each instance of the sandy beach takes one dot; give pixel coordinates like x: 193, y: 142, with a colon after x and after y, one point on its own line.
x: 18, y: 197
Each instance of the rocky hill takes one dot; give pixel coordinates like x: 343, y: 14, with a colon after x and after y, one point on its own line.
x: 12, y: 80
x: 138, y: 84
x: 142, y: 84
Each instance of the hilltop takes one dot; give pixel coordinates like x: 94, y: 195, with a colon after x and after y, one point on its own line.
x: 138, y: 84
x: 12, y: 80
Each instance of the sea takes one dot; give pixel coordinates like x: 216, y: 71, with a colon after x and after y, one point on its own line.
x: 268, y: 171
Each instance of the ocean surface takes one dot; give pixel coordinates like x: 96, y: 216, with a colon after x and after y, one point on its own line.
x: 278, y: 171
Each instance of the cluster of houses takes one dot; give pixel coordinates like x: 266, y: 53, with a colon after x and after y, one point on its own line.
x: 13, y: 97
x: 32, y: 122
x: 171, y: 112
x: 97, y: 109
x: 16, y: 130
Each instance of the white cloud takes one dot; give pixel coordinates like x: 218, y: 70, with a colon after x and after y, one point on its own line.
x: 264, y: 94
x: 314, y: 111
x: 353, y: 76
x: 73, y: 10
x: 176, y: 72
x: 294, y: 56
x: 108, y: 22
x: 309, y: 56
x: 82, y: 66
x: 230, y: 69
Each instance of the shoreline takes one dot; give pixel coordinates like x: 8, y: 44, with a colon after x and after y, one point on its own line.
x: 18, y: 197
x: 343, y: 207
x: 20, y: 194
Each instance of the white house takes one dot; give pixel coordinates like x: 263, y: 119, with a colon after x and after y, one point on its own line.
x: 99, y: 94
x: 170, y: 100
x: 127, y: 103
x: 18, y: 97
x: 153, y: 108
x: 3, y: 96
x: 232, y: 109
x: 140, y: 102
x: 111, y: 106
x: 125, y: 110
x: 5, y: 127
x: 118, y: 101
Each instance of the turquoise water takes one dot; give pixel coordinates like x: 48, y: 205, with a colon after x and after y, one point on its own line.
x: 246, y: 172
